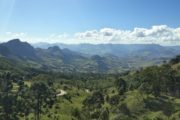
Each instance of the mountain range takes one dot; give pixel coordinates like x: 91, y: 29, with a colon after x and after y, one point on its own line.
x: 120, y: 50
x: 101, y: 58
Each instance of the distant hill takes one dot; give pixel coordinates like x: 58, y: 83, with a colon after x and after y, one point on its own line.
x: 102, y: 58
x: 120, y: 50
x: 17, y: 48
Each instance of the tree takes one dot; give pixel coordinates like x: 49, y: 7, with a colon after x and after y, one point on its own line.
x: 76, y: 113
x: 114, y: 100
x: 104, y: 114
x: 92, y: 105
x: 95, y: 100
x: 156, y: 80
x: 23, y: 104
x: 175, y: 60
x: 149, y: 80
x: 7, y: 98
x: 6, y: 82
x: 170, y: 80
x: 7, y: 104
x: 121, y: 85
x: 42, y: 95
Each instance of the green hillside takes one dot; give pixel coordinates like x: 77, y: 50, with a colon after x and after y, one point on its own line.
x: 152, y: 93
x: 56, y: 59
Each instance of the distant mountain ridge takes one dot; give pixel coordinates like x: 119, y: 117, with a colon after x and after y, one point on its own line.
x: 120, y: 50
x: 103, y: 58
x: 17, y: 48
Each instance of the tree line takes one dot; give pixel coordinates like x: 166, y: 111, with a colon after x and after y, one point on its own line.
x: 23, y: 100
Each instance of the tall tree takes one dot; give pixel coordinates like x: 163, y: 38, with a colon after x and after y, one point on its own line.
x: 42, y: 96
x: 96, y: 100
x: 121, y: 85
x: 7, y: 97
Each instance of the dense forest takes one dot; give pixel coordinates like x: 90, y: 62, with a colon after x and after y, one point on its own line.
x: 151, y: 93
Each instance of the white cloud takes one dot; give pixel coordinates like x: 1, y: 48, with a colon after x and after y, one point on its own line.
x: 10, y: 34
x: 160, y: 34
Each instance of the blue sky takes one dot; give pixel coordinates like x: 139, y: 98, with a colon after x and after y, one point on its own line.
x: 40, y: 18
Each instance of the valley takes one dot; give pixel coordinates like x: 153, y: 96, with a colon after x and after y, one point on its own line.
x: 80, y: 58
x: 60, y: 84
x: 89, y: 60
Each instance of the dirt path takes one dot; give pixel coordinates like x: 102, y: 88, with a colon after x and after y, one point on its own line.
x: 62, y: 92
x: 87, y: 90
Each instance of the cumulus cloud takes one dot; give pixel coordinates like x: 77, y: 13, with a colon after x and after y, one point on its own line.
x: 160, y: 34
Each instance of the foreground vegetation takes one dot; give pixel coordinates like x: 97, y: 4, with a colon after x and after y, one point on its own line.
x: 152, y: 93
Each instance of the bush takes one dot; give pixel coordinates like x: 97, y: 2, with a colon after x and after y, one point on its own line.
x: 114, y: 100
